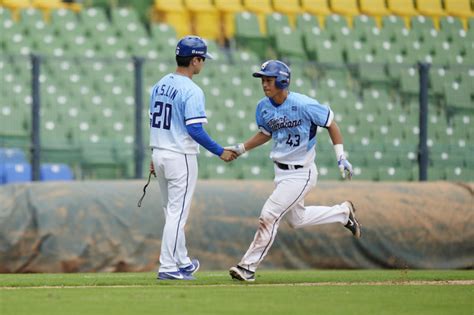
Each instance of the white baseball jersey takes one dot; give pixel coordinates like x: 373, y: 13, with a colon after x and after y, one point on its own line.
x: 293, y: 127
x: 175, y: 101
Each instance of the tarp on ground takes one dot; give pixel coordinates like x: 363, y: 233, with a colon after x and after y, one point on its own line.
x: 97, y: 226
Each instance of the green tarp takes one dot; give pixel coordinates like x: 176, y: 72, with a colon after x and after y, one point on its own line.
x: 97, y: 226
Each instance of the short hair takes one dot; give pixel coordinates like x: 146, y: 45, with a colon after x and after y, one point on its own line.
x: 184, y: 61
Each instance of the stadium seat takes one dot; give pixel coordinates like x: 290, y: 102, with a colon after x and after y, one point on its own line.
x: 461, y: 9
x: 223, y: 171
x: 228, y: 9
x: 15, y: 6
x: 257, y: 172
x: 457, y: 96
x: 260, y: 8
x: 290, y: 8
x: 46, y: 6
x: 347, y: 8
x: 163, y: 38
x: 174, y: 13
x: 319, y: 8
x: 275, y: 22
x: 16, y: 172
x: 12, y: 155
x: 5, y: 15
x: 204, y: 18
x: 55, y: 172
x: 404, y: 8
x: 248, y: 34
x: 459, y: 173
x: 356, y: 51
x: 391, y: 173
x: 431, y: 8
x: 450, y: 26
x: 375, y: 8
x: 289, y: 44
x: 306, y: 22
x: 364, y: 26
x: 325, y: 51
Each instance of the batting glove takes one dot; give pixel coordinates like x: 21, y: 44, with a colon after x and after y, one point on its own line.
x: 239, y: 148
x: 345, y: 167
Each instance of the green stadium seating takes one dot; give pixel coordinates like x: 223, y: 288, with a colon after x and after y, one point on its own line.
x: 364, y: 26
x: 306, y: 22
x: 393, y: 25
x: 367, y: 75
x: 275, y: 22
x: 391, y: 173
x: 289, y: 44
x: 248, y: 33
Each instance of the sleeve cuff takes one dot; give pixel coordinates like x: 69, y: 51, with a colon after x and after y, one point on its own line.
x: 202, y: 120
x: 264, y: 131
x: 330, y: 118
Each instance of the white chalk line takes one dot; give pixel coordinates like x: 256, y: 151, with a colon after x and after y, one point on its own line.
x: 255, y: 284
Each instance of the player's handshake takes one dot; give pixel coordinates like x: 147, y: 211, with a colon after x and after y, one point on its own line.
x: 236, y: 151
x: 238, y: 148
x: 228, y: 155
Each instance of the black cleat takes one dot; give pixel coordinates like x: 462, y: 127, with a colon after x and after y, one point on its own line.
x: 242, y: 274
x: 352, y: 224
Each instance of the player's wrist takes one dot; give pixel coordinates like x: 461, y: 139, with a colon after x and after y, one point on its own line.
x: 339, y: 150
x: 219, y: 151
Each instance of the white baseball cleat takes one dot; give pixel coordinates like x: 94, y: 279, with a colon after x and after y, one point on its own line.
x: 242, y: 274
x: 352, y: 223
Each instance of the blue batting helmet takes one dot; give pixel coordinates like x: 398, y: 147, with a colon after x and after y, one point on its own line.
x: 192, y: 46
x: 277, y: 69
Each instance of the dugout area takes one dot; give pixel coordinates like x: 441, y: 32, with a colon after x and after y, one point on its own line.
x: 97, y: 226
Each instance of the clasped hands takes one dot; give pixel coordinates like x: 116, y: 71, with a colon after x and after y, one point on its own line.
x: 232, y: 152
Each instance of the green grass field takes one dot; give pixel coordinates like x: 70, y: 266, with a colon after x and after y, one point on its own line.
x: 274, y: 292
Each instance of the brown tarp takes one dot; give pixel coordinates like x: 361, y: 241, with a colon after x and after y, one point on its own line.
x: 97, y: 226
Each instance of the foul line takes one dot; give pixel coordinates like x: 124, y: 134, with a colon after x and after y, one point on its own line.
x: 236, y: 284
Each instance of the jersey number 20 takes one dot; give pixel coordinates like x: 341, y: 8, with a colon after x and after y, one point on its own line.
x: 162, y: 109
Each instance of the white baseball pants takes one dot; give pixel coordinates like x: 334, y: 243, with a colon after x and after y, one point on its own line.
x: 291, y: 186
x: 177, y: 175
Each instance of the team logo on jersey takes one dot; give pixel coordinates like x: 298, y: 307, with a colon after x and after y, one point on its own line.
x: 283, y: 122
x: 294, y: 108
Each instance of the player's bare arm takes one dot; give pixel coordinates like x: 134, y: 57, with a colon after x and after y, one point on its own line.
x: 257, y: 140
x: 335, y: 133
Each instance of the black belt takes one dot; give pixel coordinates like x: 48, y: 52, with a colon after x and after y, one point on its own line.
x: 288, y: 167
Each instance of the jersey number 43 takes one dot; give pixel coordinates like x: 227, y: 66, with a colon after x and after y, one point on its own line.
x: 162, y: 114
x: 293, y: 140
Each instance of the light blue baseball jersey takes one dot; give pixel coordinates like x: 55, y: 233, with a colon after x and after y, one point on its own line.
x: 293, y: 126
x: 175, y: 101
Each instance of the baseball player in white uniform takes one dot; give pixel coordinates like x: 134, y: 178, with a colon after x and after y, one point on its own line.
x: 292, y: 121
x: 177, y: 112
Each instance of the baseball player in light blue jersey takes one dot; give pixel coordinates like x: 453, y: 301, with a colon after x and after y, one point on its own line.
x: 292, y: 120
x: 177, y: 112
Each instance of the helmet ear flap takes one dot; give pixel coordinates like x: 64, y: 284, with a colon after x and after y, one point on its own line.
x: 282, y: 83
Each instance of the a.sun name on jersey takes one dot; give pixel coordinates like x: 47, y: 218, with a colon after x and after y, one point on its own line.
x: 168, y: 91
x: 283, y: 122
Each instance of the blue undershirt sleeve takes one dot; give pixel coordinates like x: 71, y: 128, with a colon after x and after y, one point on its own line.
x: 197, y: 132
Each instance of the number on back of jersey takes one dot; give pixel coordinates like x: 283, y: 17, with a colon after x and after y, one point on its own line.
x: 162, y: 114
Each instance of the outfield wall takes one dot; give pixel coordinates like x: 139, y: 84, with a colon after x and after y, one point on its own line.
x: 97, y: 226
